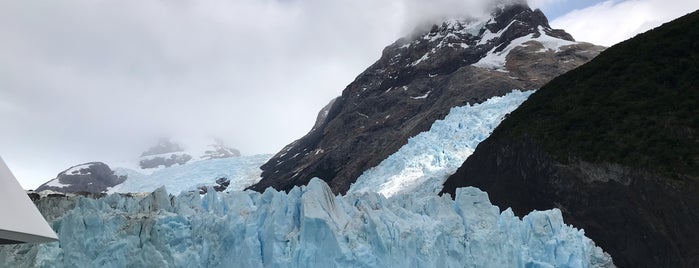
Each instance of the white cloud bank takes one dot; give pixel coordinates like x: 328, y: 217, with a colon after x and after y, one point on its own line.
x: 611, y: 22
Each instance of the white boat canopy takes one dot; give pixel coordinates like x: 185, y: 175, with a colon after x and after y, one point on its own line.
x: 20, y: 220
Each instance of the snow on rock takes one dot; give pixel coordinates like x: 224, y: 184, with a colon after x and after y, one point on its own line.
x: 242, y: 172
x: 56, y: 183
x: 421, y: 166
x: 452, y: 34
x: 79, y: 169
x: 93, y: 177
x: 424, y: 96
x: 497, y: 60
x: 307, y: 227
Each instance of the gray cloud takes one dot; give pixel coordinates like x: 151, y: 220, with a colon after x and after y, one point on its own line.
x: 84, y: 80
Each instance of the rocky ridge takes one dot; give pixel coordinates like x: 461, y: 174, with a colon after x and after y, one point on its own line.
x: 415, y: 82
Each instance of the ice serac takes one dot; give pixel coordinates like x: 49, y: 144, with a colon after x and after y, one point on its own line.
x: 416, y: 82
x: 422, y: 165
x: 306, y: 227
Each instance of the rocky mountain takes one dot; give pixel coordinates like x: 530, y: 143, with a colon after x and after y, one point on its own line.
x: 94, y: 177
x: 614, y: 145
x: 212, y: 164
x: 417, y: 81
x: 168, y: 153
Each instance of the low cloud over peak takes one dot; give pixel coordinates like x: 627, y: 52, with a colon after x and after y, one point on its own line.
x: 86, y: 80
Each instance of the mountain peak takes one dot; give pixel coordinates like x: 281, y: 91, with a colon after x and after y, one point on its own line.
x: 417, y: 81
x: 470, y: 40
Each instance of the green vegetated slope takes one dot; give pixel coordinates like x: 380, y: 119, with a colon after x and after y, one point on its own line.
x: 636, y: 104
x: 613, y: 144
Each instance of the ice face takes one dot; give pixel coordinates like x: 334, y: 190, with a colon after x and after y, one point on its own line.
x: 421, y: 166
x: 308, y: 227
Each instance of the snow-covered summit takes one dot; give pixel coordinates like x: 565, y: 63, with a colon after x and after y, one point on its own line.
x: 510, y: 25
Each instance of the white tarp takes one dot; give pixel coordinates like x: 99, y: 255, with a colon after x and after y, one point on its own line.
x: 20, y: 220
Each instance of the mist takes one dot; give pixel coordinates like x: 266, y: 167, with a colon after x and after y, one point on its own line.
x: 97, y: 80
x: 86, y: 80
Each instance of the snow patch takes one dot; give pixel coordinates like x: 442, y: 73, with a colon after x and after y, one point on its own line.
x: 497, y: 60
x: 423, y: 58
x: 56, y: 183
x: 423, y: 96
x: 76, y: 169
x: 552, y: 43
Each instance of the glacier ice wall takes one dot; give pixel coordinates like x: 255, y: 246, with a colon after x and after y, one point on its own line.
x: 308, y: 227
x: 422, y: 165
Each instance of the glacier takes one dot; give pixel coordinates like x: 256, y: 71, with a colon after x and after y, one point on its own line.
x: 307, y: 227
x: 242, y: 171
x: 391, y: 217
x: 422, y: 165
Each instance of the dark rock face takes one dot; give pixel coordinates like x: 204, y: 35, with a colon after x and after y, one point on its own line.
x: 94, y: 177
x: 221, y: 185
x: 413, y: 84
x: 636, y: 216
x: 34, y: 196
x: 602, y: 143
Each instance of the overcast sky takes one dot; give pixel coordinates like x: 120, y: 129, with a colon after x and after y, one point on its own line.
x: 98, y: 80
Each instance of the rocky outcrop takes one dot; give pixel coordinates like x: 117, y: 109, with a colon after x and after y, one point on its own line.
x: 165, y: 161
x: 614, y: 145
x: 416, y: 82
x: 94, y: 177
x: 164, y: 146
x: 222, y: 184
x: 166, y: 153
x: 219, y: 150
